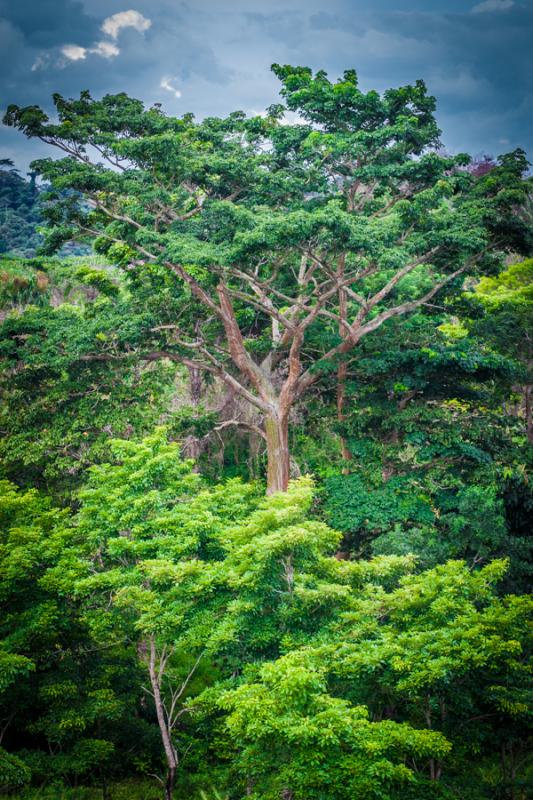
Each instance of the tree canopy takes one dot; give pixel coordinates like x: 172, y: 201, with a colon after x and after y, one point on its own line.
x: 288, y: 244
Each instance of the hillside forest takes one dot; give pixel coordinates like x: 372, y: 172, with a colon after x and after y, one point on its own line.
x: 266, y: 447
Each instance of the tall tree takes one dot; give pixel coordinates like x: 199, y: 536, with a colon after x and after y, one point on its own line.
x: 277, y: 232
x: 147, y: 534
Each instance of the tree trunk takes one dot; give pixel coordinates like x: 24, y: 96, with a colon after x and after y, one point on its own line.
x: 170, y: 752
x: 528, y: 409
x: 341, y: 395
x: 169, y: 785
x: 277, y: 439
x: 105, y: 788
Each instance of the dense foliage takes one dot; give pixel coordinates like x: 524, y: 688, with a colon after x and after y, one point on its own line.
x: 19, y: 211
x: 332, y: 311
x: 61, y: 407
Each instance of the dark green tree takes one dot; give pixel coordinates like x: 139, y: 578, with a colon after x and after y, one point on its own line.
x: 20, y: 212
x: 438, y: 466
x: 66, y: 707
x: 508, y: 323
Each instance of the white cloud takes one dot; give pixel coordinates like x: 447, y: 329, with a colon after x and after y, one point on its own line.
x: 166, y: 84
x: 492, y: 5
x: 105, y: 49
x: 125, y: 19
x: 40, y: 62
x: 289, y: 117
x: 74, y: 52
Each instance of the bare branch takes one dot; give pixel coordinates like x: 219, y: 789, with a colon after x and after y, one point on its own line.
x: 240, y: 424
x: 397, y: 277
x: 239, y: 354
x: 176, y: 695
x: 309, y: 377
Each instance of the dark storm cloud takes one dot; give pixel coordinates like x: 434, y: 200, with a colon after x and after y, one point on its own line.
x: 31, y: 34
x: 50, y: 22
x: 213, y: 57
x: 476, y: 59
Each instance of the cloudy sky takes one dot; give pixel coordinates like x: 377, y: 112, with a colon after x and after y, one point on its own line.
x: 213, y: 56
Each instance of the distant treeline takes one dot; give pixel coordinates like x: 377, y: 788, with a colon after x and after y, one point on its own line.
x: 21, y: 201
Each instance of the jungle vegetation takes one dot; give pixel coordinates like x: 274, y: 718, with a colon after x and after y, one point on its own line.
x: 266, y: 504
